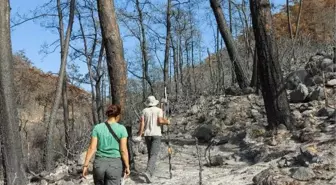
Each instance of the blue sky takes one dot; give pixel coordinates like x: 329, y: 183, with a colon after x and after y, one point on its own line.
x: 30, y: 36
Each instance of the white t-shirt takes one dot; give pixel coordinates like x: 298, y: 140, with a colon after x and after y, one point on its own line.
x: 151, y: 115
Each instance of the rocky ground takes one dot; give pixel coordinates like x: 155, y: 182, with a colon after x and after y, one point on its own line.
x: 243, y: 152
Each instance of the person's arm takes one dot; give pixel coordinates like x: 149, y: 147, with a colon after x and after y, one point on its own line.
x: 161, y: 120
x: 124, y: 151
x: 92, y: 149
x: 142, y: 126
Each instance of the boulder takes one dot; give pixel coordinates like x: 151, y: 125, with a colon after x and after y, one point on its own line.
x: 273, y: 177
x: 293, y: 79
x: 331, y: 83
x: 299, y: 94
x: 325, y: 112
x: 204, y: 133
x: 316, y: 94
x: 331, y: 68
x: 303, y: 174
x: 325, y: 63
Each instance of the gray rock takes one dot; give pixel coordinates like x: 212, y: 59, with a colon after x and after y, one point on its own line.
x: 293, y: 79
x: 272, y: 177
x: 194, y: 109
x: 331, y: 83
x: 216, y: 160
x: 325, y: 112
x: 297, y: 115
x: 63, y: 182
x: 303, y: 174
x: 333, y: 181
x: 326, y: 62
x: 331, y: 68
x: 43, y: 182
x: 299, y: 94
x: 316, y: 94
x: 205, y: 132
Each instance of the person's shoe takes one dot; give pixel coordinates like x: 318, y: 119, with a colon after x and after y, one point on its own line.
x: 148, y: 177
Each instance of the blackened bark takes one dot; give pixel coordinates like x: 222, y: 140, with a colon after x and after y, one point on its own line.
x: 176, y: 71
x: 48, y: 152
x: 114, y: 51
x: 89, y: 57
x: 66, y: 115
x: 241, y: 75
x: 289, y: 24
x: 144, y: 49
x: 11, y: 150
x: 270, y: 74
x: 166, y: 59
x: 99, y: 81
x: 254, y: 78
x: 334, y: 54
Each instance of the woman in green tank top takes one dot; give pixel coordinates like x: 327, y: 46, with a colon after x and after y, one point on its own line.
x: 111, y: 159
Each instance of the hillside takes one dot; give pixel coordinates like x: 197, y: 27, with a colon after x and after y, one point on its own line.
x: 34, y: 97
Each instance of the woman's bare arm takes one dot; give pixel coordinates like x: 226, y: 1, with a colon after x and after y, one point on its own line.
x: 92, y: 149
x: 124, y: 151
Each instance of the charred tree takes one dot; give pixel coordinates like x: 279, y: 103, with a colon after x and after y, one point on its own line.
x: 114, y: 52
x: 143, y: 44
x: 241, y: 75
x: 166, y: 59
x: 11, y: 150
x: 64, y: 43
x: 270, y: 74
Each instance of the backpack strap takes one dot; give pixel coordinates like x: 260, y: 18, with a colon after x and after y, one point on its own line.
x: 112, y: 132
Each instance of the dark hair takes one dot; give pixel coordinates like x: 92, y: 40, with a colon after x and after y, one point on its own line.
x: 113, y: 110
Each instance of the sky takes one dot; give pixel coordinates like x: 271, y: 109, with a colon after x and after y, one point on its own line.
x: 30, y: 37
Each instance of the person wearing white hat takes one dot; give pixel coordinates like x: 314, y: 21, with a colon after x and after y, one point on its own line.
x: 150, y: 127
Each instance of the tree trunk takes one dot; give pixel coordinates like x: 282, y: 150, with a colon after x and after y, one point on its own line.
x: 66, y: 115
x: 270, y: 74
x: 254, y: 78
x: 11, y: 150
x: 290, y: 30
x: 48, y: 152
x: 334, y: 54
x: 176, y: 71
x: 144, y: 49
x: 99, y: 80
x: 166, y: 59
x: 114, y: 52
x: 298, y: 21
x: 180, y: 62
x: 89, y: 56
x: 241, y: 75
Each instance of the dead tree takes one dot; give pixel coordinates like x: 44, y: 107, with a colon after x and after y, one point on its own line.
x: 64, y: 43
x: 114, y: 51
x: 11, y: 150
x: 167, y: 48
x: 270, y: 74
x: 89, y: 58
x: 241, y: 75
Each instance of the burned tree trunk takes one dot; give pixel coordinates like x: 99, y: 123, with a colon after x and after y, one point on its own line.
x: 241, y: 75
x: 11, y: 150
x: 143, y: 45
x: 114, y: 52
x: 270, y: 74
x: 66, y: 115
x: 166, y: 59
x: 64, y: 42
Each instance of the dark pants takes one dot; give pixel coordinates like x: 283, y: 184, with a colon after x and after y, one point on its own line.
x: 107, y: 171
x: 153, y: 147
